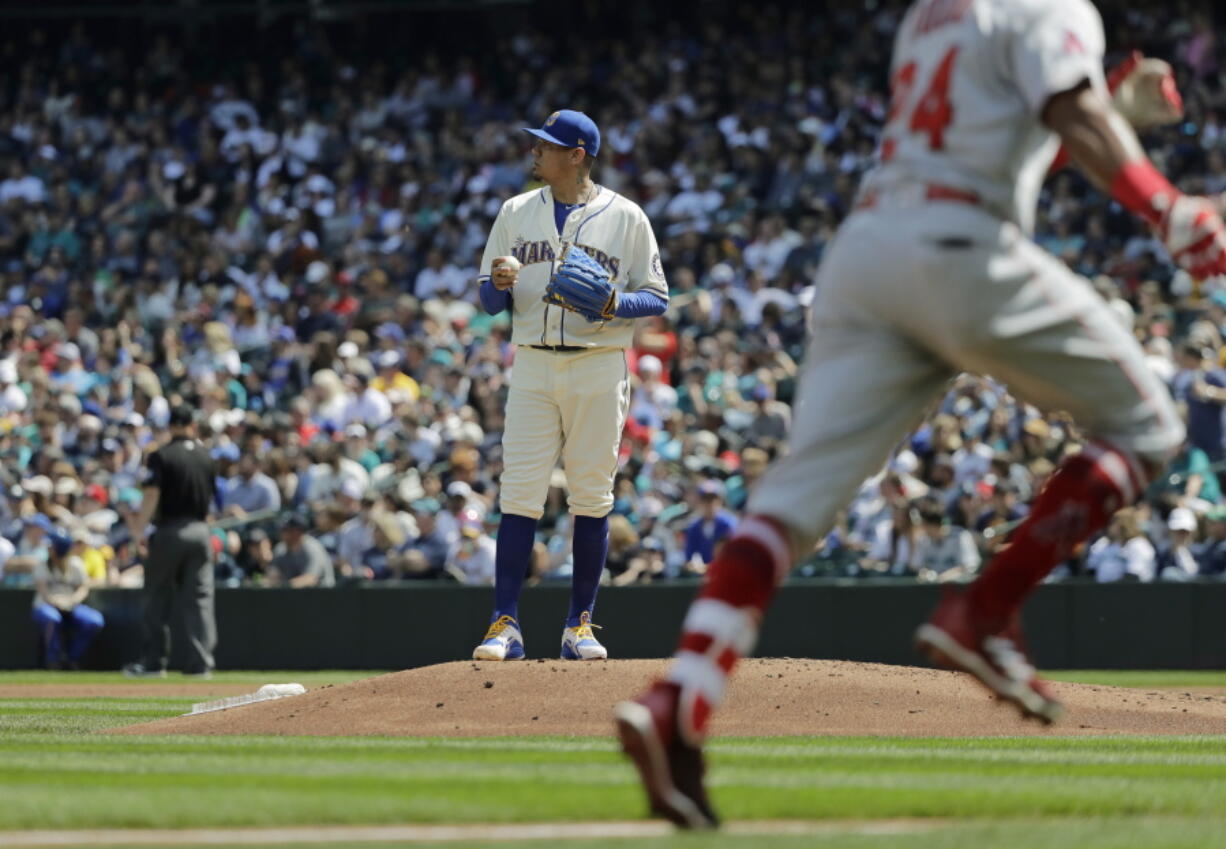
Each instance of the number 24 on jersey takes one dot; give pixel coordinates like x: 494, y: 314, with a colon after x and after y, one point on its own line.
x: 932, y: 114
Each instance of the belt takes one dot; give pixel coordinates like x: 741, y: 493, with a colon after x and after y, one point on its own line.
x: 560, y: 349
x: 931, y: 191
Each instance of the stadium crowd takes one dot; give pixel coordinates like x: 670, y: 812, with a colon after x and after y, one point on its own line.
x: 289, y: 242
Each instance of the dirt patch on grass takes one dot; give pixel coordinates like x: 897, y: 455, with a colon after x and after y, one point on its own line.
x: 768, y: 697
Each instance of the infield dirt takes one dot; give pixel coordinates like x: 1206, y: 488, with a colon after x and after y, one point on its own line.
x: 767, y: 697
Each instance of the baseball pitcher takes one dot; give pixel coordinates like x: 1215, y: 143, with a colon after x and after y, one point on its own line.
x: 575, y: 263
x: 934, y: 273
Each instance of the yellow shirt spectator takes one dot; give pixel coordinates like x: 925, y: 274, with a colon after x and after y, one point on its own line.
x: 391, y: 379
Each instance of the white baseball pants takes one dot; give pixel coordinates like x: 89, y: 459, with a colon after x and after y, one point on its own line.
x: 911, y: 294
x: 571, y: 404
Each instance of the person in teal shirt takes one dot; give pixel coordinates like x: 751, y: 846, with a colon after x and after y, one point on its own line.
x: 1190, y: 475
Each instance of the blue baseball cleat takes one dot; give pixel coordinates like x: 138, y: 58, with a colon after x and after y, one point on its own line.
x: 503, y: 641
x: 578, y: 641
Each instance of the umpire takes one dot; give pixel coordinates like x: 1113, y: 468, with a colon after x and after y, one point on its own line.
x: 179, y: 488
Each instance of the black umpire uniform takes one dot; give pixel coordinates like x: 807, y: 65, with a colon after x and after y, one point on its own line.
x: 179, y: 566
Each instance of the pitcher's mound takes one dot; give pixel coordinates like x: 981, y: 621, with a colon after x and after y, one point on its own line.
x: 767, y: 697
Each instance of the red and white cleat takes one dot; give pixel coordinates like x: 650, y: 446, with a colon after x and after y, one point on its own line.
x: 955, y: 638
x: 670, y: 768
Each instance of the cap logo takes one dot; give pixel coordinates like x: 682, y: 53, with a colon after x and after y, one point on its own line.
x: 550, y: 120
x: 582, y: 142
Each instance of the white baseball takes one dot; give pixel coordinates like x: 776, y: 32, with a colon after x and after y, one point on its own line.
x: 507, y: 263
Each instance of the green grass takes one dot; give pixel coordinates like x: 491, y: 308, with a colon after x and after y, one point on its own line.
x: 307, y: 679
x: 1004, y: 793
x: 1166, y: 679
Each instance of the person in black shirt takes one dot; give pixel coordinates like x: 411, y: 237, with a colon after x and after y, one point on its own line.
x: 179, y: 488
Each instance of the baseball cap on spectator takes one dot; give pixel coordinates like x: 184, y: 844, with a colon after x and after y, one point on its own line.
x: 390, y: 330
x: 1181, y: 519
x: 89, y: 423
x: 346, y: 350
x: 110, y: 446
x: 96, y: 492
x: 350, y: 488
x: 68, y: 351
x: 100, y: 521
x: 1037, y: 427
x: 39, y: 484
x: 904, y: 463
x: 317, y: 271
x: 722, y: 274
x: 225, y: 451
x: 569, y: 128
x: 38, y: 520
x: 137, y: 420
x: 760, y: 392
x: 459, y: 489
x: 426, y: 505
x: 285, y: 333
x: 711, y: 489
x: 649, y: 364
x: 69, y: 404
x: 67, y: 486
x: 356, y: 430
x: 387, y: 359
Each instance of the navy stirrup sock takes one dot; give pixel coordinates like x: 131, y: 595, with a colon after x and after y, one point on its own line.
x: 590, y: 547
x: 516, y: 535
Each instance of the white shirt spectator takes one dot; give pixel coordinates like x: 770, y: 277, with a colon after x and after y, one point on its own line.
x: 326, y: 481
x: 371, y: 408
x: 949, y: 551
x: 1110, y: 561
x: 474, y: 559
x: 29, y: 188
x: 430, y: 282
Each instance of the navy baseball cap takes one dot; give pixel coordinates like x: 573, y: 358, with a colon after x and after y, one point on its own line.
x: 570, y: 129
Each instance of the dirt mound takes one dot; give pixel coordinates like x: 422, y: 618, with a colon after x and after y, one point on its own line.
x: 768, y: 697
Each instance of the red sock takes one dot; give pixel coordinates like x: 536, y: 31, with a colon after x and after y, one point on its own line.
x: 722, y: 624
x: 1077, y: 502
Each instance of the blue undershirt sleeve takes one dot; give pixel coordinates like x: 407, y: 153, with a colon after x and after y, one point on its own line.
x: 493, y: 300
x: 641, y: 303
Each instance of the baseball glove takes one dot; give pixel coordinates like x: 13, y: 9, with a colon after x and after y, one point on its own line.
x: 581, y: 285
x: 1144, y: 92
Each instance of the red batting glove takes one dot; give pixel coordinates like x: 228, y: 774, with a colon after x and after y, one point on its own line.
x: 1191, y: 227
x: 1196, y: 236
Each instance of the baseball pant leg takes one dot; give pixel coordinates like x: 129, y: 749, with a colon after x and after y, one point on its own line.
x: 1029, y: 321
x: 160, y: 590
x: 594, y: 398
x: 532, y: 436
x: 863, y: 386
x: 198, y: 596
x: 859, y: 394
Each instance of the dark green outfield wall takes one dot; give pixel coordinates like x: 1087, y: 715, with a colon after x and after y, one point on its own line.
x: 1072, y: 626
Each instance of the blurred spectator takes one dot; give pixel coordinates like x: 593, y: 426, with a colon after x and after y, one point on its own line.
x: 1123, y: 553
x: 711, y: 527
x: 60, y: 613
x: 1176, y: 562
x: 299, y: 560
x: 290, y: 249
x: 943, y: 552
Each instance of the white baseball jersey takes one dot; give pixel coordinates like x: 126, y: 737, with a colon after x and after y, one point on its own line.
x: 612, y: 229
x: 968, y: 81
